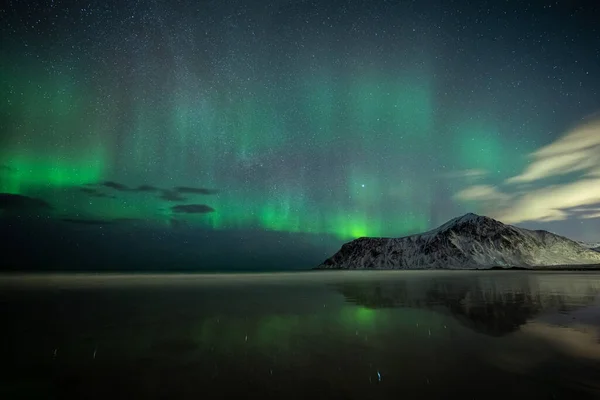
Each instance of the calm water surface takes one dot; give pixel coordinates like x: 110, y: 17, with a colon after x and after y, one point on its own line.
x: 339, y: 335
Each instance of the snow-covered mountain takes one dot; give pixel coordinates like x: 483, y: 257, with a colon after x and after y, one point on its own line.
x: 470, y: 241
x: 590, y: 245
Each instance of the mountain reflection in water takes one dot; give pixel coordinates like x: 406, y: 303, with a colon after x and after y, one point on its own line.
x: 350, y: 335
x: 495, y: 305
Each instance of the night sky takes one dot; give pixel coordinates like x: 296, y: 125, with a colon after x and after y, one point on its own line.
x: 263, y: 134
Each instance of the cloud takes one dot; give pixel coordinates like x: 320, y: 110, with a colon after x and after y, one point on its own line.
x: 95, y: 193
x: 146, y: 188
x: 484, y: 193
x: 88, y: 190
x: 552, y: 203
x: 591, y: 215
x: 192, y: 209
x: 17, y: 202
x: 586, y: 209
x: 586, y: 212
x: 165, y: 194
x: 579, y: 150
x: 576, y: 152
x: 170, y: 195
x: 83, y: 221
x: 127, y: 220
x: 116, y: 186
x: 124, y: 188
x: 465, y: 173
x: 193, y: 190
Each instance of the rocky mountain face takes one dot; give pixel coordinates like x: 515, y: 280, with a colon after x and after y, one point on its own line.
x: 590, y: 245
x: 470, y: 241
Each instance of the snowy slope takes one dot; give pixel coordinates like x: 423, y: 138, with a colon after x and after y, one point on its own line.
x: 470, y: 241
x: 593, y: 245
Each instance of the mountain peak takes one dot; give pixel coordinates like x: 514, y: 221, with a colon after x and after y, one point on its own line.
x: 467, y: 219
x: 476, y: 218
x: 468, y: 241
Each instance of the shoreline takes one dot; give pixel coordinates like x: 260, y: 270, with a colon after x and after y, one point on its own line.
x: 109, y: 272
x: 578, y: 267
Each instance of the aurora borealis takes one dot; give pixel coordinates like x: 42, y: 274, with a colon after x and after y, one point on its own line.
x: 334, y: 119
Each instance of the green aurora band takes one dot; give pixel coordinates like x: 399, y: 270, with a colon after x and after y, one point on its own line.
x: 63, y: 134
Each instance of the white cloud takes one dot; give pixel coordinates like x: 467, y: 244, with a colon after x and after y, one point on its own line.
x: 551, y: 203
x: 482, y: 193
x: 591, y: 215
x: 587, y: 213
x: 577, y: 151
x: 595, y: 172
x: 466, y: 173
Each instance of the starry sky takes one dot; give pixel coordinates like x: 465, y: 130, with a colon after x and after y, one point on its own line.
x: 277, y: 130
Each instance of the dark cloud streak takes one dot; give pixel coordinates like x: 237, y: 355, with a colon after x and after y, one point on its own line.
x: 86, y: 221
x: 193, y: 190
x: 169, y: 195
x: 146, y: 189
x: 17, y: 202
x: 95, y: 193
x: 90, y: 221
x: 192, y: 209
x: 116, y: 186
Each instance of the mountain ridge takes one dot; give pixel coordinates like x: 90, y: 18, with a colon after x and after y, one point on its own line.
x: 590, y: 245
x: 465, y: 242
